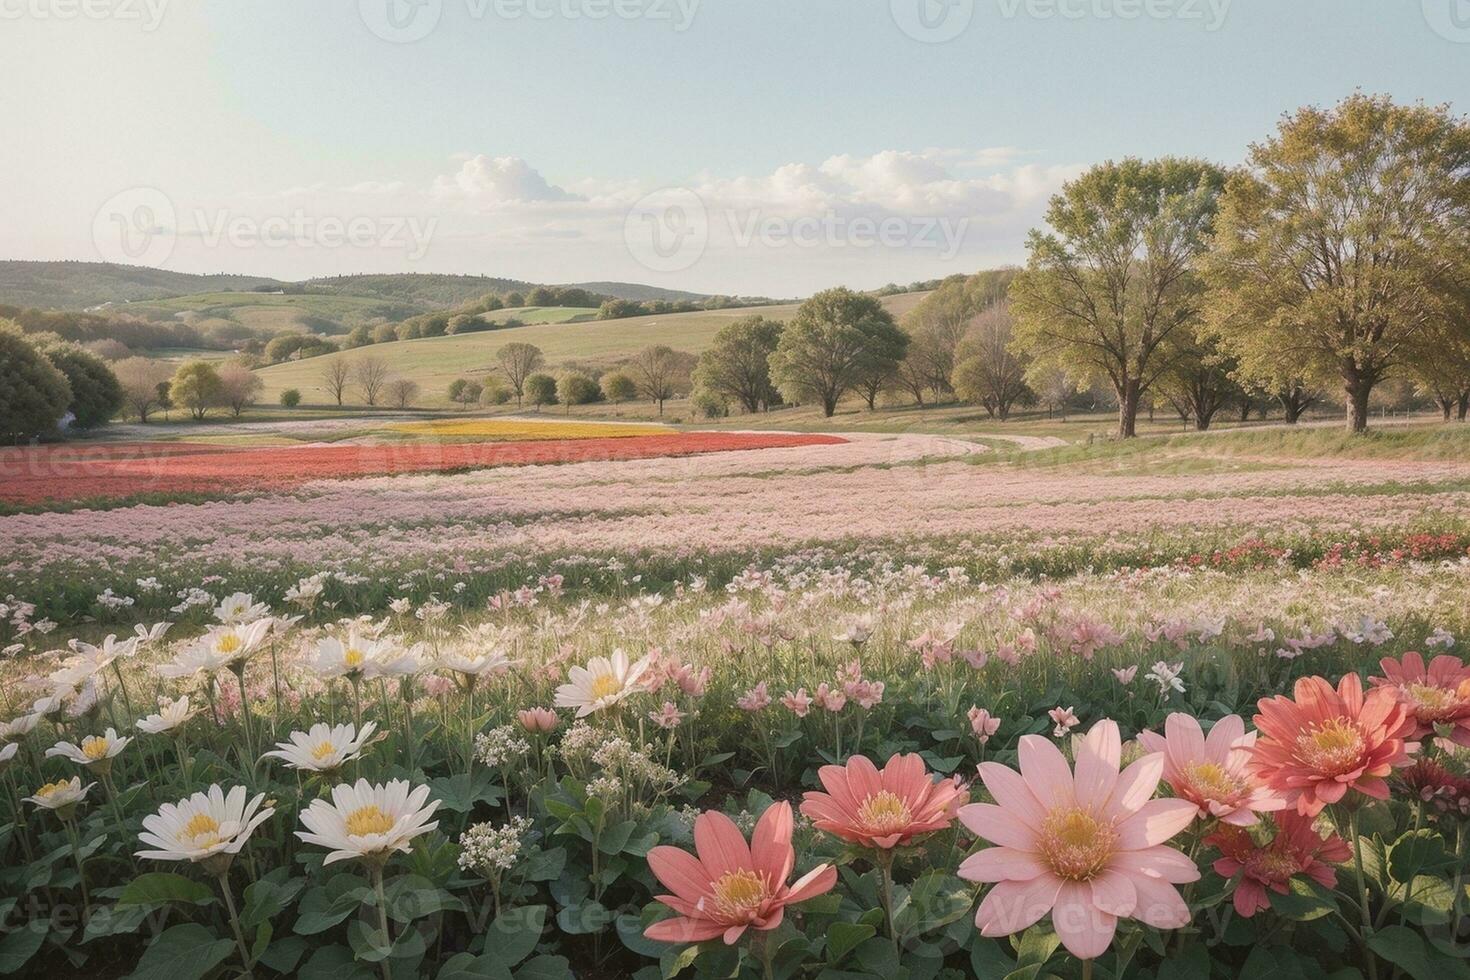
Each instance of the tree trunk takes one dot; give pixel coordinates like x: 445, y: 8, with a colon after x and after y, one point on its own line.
x: 1446, y: 405
x: 1358, y: 391
x: 1128, y: 409
x: 829, y: 405
x: 1464, y: 405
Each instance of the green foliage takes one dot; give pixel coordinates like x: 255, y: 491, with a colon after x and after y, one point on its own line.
x: 736, y: 366
x: 96, y: 395
x: 576, y: 388
x: 34, y: 394
x: 197, y: 386
x: 618, y: 387
x: 540, y: 389
x: 290, y: 398
x: 836, y: 340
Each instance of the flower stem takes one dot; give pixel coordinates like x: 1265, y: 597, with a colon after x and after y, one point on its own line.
x: 383, y: 920
x: 76, y: 855
x: 885, y: 867
x: 224, y: 887
x: 1369, y: 957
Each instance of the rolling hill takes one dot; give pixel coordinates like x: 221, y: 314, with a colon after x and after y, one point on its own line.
x: 79, y: 285
x: 433, y: 362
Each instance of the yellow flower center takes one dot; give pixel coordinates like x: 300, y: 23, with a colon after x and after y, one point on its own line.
x: 1433, y: 703
x: 1075, y: 843
x: 229, y: 643
x: 368, y: 820
x: 1210, y: 781
x: 605, y: 685
x: 95, y: 747
x: 884, y: 813
x: 51, y: 789
x: 1333, y: 749
x: 323, y: 750
x: 740, y: 894
x: 202, y: 829
x: 353, y: 657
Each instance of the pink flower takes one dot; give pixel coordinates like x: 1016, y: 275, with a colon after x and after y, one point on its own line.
x: 1125, y: 675
x: 983, y: 724
x: 1296, y: 849
x: 669, y: 716
x: 755, y: 699
x: 1212, y: 773
x: 1064, y: 719
x: 1087, y: 847
x: 975, y: 658
x: 1435, y: 695
x: 798, y: 703
x: 1006, y: 654
x: 732, y: 886
x: 538, y: 721
x: 438, y: 686
x: 881, y: 809
x: 829, y: 699
x: 692, y: 682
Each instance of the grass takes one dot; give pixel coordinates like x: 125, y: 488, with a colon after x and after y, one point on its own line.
x: 434, y: 362
x: 277, y: 311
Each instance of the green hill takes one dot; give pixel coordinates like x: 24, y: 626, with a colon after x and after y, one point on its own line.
x: 79, y: 285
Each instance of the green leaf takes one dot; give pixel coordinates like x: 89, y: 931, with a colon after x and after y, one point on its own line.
x: 844, y: 937
x: 19, y: 945
x: 1405, y: 949
x: 1193, y: 964
x: 460, y: 793
x: 1306, y: 901
x: 184, y: 952
x: 546, y: 865
x: 283, y: 954
x: 1036, y: 946
x: 411, y: 897
x: 324, y: 907
x: 463, y: 966
x: 1418, y: 852
x: 265, y: 899
x: 161, y: 887
x: 545, y: 968
x: 934, y: 900
x: 514, y: 934
x: 334, y: 963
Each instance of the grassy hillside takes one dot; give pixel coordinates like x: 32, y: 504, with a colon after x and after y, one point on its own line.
x: 78, y: 285
x: 320, y: 312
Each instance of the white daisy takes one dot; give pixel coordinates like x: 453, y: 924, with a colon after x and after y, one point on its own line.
x: 223, y: 646
x: 474, y: 665
x: 18, y: 728
x: 7, y: 752
x: 204, y: 826
x: 240, y: 608
x: 351, y: 656
x: 601, y: 684
x: 61, y: 795
x: 171, y: 714
x: 368, y: 822
x: 323, y: 749
x: 94, y: 750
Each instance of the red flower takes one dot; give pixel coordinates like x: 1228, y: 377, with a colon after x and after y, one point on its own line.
x: 1435, y: 695
x: 1296, y: 849
x: 1313, y: 749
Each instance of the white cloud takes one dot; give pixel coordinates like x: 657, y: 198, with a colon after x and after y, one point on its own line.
x: 494, y: 181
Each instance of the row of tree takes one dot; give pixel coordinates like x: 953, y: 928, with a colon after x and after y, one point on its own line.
x: 656, y: 373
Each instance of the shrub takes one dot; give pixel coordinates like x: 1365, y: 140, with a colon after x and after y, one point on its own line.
x: 707, y: 404
x: 96, y: 395
x: 496, y: 392
x: 144, y: 385
x: 290, y: 398
x: 618, y: 387
x: 575, y: 388
x: 541, y: 390
x: 34, y: 394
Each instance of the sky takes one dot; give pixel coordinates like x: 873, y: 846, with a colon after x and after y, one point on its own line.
x: 754, y: 147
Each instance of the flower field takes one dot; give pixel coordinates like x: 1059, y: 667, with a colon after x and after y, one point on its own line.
x: 874, y: 707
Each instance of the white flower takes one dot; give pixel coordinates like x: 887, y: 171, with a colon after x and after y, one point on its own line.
x: 221, y: 647
x: 94, y: 749
x: 1167, y: 677
x: 171, y: 714
x: 473, y: 665
x: 19, y: 727
x: 306, y: 592
x: 323, y: 749
x: 488, y: 850
x: 7, y: 752
x: 601, y: 684
x: 149, y: 635
x: 204, y: 825
x: 240, y: 608
x: 101, y: 657
x: 1440, y: 638
x: 355, y: 655
x: 61, y: 794
x: 367, y: 821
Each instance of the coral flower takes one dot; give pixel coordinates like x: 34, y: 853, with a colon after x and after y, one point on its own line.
x: 882, y: 809
x: 1212, y: 773
x: 538, y: 721
x: 1087, y: 847
x: 1313, y: 749
x: 1296, y: 849
x: 732, y: 886
x: 1435, y: 695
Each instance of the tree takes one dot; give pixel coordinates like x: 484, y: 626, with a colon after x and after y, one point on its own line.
x: 496, y: 391
x: 402, y: 392
x: 96, y: 395
x: 1445, y: 376
x: 1198, y: 381
x: 197, y: 386
x: 1054, y: 387
x: 465, y: 392
x: 617, y: 309
x: 737, y: 365
x: 659, y: 373
x: 541, y: 390
x: 576, y: 388
x: 239, y: 387
x: 837, y: 338
x: 371, y: 373
x: 359, y: 336
x: 140, y: 380
x: 34, y: 394
x: 385, y: 333
x: 1339, y: 249
x: 290, y: 398
x: 941, y: 321
x: 989, y: 373
x: 336, y: 375
x: 517, y: 361
x: 1105, y: 291
x: 618, y: 387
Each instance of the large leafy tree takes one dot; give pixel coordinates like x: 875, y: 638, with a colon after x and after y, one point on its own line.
x: 836, y: 339
x: 34, y: 394
x: 988, y: 372
x: 96, y: 395
x: 518, y: 361
x: 1107, y: 291
x: 940, y: 323
x: 737, y: 365
x: 1340, y: 249
x: 197, y: 386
